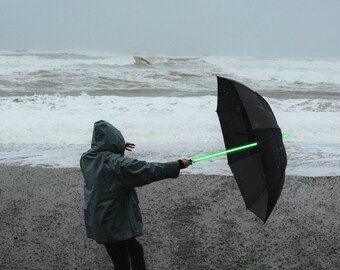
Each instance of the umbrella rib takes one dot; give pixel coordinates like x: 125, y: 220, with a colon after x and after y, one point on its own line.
x: 257, y: 198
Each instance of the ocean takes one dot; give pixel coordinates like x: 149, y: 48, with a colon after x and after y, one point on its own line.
x: 165, y: 104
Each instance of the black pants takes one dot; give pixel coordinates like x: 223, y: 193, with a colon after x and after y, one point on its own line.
x: 125, y: 254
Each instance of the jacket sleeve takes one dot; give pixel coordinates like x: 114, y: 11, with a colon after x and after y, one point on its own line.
x: 135, y: 173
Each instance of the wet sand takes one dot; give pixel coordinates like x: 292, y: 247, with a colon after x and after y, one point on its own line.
x: 193, y: 222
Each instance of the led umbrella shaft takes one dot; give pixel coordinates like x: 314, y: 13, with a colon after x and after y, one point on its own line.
x: 228, y: 151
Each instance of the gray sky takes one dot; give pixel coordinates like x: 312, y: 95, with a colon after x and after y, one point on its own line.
x: 267, y: 28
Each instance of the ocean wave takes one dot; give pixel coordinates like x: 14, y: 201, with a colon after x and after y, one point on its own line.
x: 71, y: 73
x: 283, y: 71
x: 305, y: 105
x: 169, y: 61
x: 54, y: 130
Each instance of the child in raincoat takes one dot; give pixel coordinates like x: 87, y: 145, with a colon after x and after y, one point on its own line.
x: 112, y: 214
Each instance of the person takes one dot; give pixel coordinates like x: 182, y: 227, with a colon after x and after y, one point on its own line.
x: 112, y: 213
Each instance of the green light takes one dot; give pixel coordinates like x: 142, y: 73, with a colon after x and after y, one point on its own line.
x: 285, y: 135
x: 228, y: 151
x: 224, y: 152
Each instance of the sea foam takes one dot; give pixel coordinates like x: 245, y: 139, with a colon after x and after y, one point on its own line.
x: 54, y: 130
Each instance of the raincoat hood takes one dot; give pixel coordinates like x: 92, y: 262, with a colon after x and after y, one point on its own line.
x: 107, y: 137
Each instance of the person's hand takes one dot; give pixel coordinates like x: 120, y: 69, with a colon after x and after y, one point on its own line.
x: 129, y: 146
x: 186, y: 162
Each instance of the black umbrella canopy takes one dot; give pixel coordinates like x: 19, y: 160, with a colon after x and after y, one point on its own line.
x: 246, y: 117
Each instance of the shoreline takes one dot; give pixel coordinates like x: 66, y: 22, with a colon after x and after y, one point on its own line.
x: 192, y: 222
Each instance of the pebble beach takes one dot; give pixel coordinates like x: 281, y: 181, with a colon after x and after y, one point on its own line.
x: 192, y: 222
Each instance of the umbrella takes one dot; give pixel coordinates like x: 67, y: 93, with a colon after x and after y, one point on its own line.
x: 246, y: 117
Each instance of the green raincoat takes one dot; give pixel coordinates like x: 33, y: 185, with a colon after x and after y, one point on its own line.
x: 110, y: 201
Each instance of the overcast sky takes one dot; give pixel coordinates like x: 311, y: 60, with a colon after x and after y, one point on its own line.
x: 260, y: 28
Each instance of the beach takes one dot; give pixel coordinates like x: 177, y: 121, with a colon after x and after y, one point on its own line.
x: 192, y: 222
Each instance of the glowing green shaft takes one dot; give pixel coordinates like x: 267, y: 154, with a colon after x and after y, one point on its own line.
x: 224, y: 152
x: 228, y: 151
